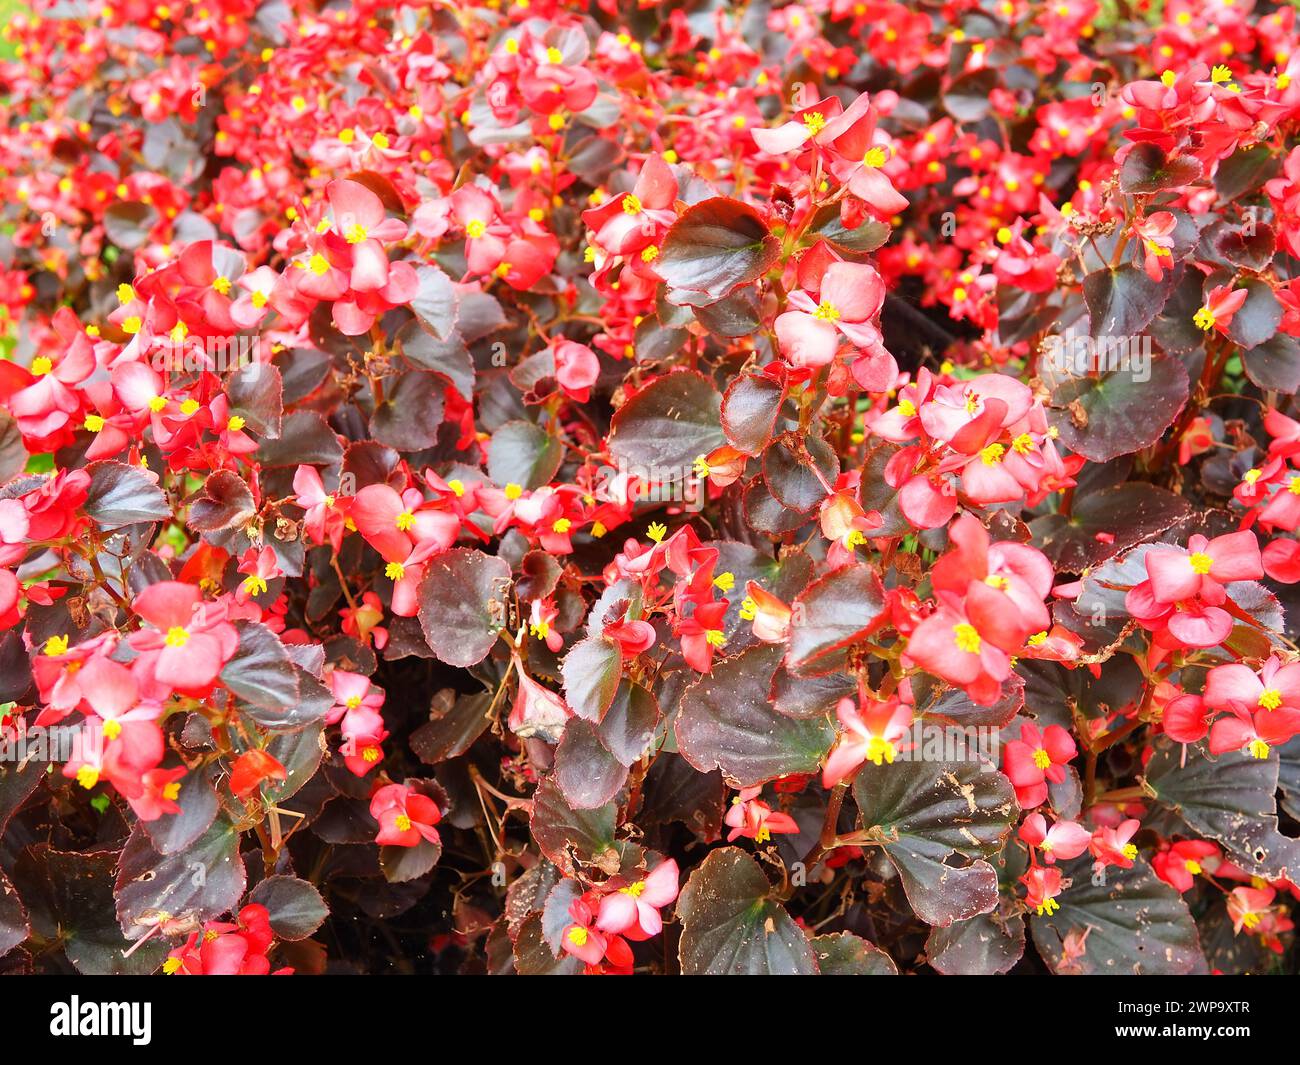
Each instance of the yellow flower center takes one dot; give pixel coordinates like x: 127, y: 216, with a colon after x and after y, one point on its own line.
x: 402, y: 822
x: 56, y: 645
x: 1258, y: 749
x: 876, y: 157
x: 578, y: 936
x: 827, y: 312
x: 1270, y: 698
x: 355, y: 233
x: 1042, y: 760
x: 633, y: 889
x: 371, y: 754
x: 716, y: 637
x: 880, y: 750
x: 222, y: 285
x: 41, y: 365
x: 561, y: 525
x: 405, y: 520
x: 394, y: 571
x: 1200, y: 562
x: 1192, y: 866
x: 966, y: 638
x: 631, y: 205
x: 1129, y: 851
x: 1203, y: 319
x: 815, y: 122
x: 318, y: 264
x: 254, y: 585
x: 87, y: 776
x: 992, y: 454
x: 93, y: 422
x: 235, y: 423
x: 177, y: 636
x: 112, y: 729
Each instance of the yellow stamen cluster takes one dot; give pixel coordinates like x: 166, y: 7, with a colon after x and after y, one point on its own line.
x: 966, y: 638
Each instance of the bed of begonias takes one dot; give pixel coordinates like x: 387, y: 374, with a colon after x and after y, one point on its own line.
x: 528, y: 486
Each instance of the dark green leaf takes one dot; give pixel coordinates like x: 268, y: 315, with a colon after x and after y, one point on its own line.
x: 668, y: 424
x: 525, y: 454
x: 732, y: 926
x: 462, y: 603
x: 295, y: 907
x: 716, y: 246
x: 833, y: 612
x: 587, y: 773
x: 1135, y: 924
x: 1114, y: 413
x: 123, y: 495
x: 924, y: 814
x: 727, y: 722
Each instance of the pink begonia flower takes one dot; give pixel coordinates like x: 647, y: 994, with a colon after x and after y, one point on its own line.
x: 576, y: 369
x: 1275, y: 685
x: 814, y: 123
x: 1186, y: 719
x: 752, y: 818
x: 1035, y: 759
x: 857, y: 159
x: 1064, y: 840
x: 973, y: 656
x: 629, y: 223
x: 405, y: 816
x: 769, y: 616
x: 1020, y: 573
x: 581, y: 939
x: 1202, y: 568
x: 1111, y: 846
x: 189, y: 641
x: 1184, y: 861
x: 633, y: 909
x: 363, y: 734
x: 160, y: 788
x: 121, y: 758
x: 537, y: 711
x: 352, y: 691
x: 1254, y: 733
x: 1220, y: 305
x: 1042, y: 885
x: 360, y: 219
x: 873, y: 731
x: 1156, y: 242
x: 851, y: 294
